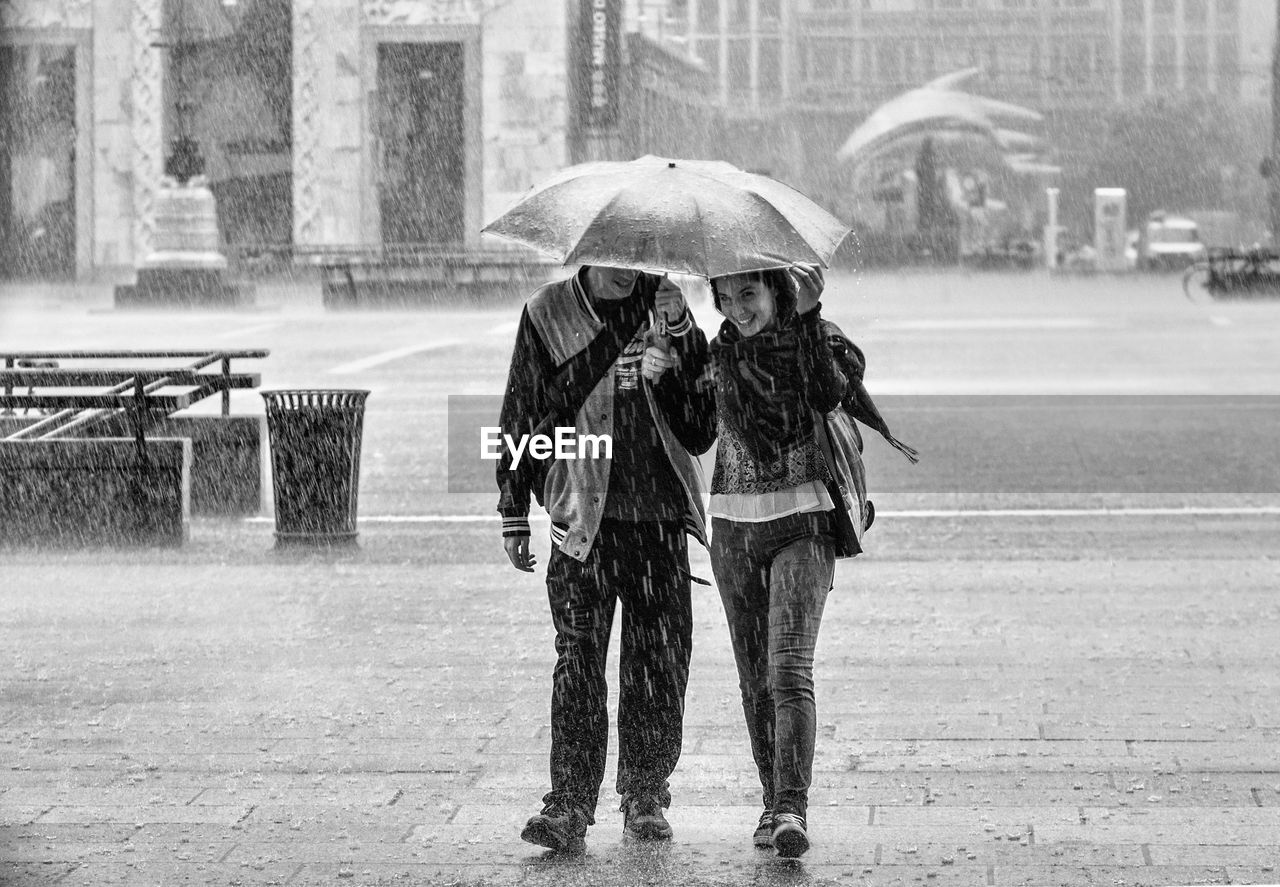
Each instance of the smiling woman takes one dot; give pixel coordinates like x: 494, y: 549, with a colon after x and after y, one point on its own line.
x: 752, y: 300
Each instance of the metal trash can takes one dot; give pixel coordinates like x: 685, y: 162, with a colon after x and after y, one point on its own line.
x: 315, y: 464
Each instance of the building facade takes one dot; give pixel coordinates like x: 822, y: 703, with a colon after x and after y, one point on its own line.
x: 1036, y: 52
x: 318, y: 124
x: 796, y: 78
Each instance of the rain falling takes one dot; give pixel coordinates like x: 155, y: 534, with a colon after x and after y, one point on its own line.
x: 665, y: 442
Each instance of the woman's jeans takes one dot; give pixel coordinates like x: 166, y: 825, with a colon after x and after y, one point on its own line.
x: 773, y: 578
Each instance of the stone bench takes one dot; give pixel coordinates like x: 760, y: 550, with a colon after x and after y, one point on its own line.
x: 43, y: 400
x: 95, y: 492
x: 406, y: 277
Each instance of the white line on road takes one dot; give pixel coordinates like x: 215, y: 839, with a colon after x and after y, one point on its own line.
x: 374, y: 360
x: 1193, y: 511
x: 246, y: 331
x: 1220, y: 321
x: 989, y: 323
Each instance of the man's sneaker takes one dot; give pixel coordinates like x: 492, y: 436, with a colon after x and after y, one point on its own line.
x: 763, y: 835
x: 789, y: 836
x: 557, y: 828
x: 642, y: 818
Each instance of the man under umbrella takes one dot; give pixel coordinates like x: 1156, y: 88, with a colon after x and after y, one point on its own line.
x: 618, y: 529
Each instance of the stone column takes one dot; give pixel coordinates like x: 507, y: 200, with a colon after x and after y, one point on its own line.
x: 306, y: 124
x: 148, y: 113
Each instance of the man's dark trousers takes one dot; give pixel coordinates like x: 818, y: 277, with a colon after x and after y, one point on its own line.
x: 645, y: 565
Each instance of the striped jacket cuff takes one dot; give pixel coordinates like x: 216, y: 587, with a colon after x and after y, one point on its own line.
x: 559, y: 534
x: 515, y: 526
x: 682, y: 326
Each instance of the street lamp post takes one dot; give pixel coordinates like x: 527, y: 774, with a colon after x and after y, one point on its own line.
x: 184, y: 161
x: 186, y: 266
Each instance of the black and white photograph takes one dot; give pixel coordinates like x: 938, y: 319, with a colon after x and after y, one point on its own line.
x: 639, y: 443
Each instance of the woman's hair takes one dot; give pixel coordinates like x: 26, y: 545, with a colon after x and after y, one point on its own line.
x: 779, y: 280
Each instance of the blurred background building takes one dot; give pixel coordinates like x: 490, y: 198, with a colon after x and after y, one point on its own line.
x: 330, y: 124
x: 318, y: 124
x: 796, y: 78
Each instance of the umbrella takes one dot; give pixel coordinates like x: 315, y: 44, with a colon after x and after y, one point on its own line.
x: 658, y: 214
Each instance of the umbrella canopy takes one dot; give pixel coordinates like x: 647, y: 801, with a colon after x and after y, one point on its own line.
x: 657, y: 214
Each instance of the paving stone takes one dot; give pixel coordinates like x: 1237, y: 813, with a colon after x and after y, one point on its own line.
x: 987, y: 852
x: 34, y: 873
x: 1145, y: 876
x: 947, y: 710
x: 1231, y: 855
x: 142, y: 813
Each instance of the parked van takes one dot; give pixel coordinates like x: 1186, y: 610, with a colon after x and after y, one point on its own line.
x: 1169, y: 242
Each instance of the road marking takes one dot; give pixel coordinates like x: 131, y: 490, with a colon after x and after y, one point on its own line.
x: 1194, y: 511
x: 1219, y: 321
x: 1030, y: 385
x: 246, y: 331
x: 374, y: 360
x: 989, y: 323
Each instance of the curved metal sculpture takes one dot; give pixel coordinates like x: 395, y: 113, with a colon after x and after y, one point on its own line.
x: 938, y: 108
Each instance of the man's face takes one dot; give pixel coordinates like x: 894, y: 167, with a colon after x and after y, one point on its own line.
x: 611, y: 283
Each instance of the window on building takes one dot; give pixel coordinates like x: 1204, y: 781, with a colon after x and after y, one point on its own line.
x: 1228, y: 11
x: 1197, y: 60
x: 1131, y: 12
x: 1072, y: 61
x: 769, y: 70
x: 739, y: 74
x: 1228, y: 65
x: 1196, y: 12
x: 708, y: 50
x: 887, y: 66
x: 1133, y: 81
x: 709, y: 15
x: 1164, y: 60
x: 740, y: 15
x: 770, y: 13
x: 827, y: 61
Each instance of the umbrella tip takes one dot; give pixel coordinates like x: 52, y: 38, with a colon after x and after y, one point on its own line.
x: 671, y: 165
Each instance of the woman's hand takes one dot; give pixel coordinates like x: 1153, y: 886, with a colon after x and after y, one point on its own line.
x: 656, y: 361
x: 809, y: 286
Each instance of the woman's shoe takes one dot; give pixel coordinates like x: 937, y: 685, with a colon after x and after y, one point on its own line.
x: 789, y: 836
x: 763, y: 835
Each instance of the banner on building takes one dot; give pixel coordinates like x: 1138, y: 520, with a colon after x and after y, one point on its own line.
x: 599, y: 62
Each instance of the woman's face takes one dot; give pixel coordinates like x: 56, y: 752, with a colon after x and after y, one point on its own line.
x: 748, y: 302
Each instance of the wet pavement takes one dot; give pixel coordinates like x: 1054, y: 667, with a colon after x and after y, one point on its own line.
x: 1026, y: 697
